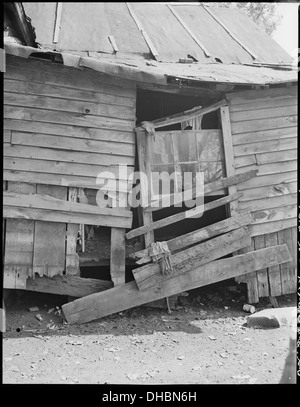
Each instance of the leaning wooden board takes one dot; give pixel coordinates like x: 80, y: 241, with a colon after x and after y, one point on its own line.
x: 199, y: 235
x: 128, y: 296
x: 150, y: 274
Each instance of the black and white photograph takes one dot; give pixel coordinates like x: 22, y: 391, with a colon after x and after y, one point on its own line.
x: 149, y: 225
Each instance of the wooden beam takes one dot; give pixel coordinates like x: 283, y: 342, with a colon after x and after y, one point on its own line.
x: 73, y: 286
x: 187, y: 114
x: 229, y: 156
x: 193, y: 35
x: 211, y: 187
x: 57, y: 22
x: 128, y: 296
x: 72, y: 258
x: 196, y: 256
x: 178, y: 243
x: 141, y: 28
x: 143, y: 151
x: 64, y: 217
x: 230, y: 32
x: 21, y: 205
x: 117, y: 248
x: 195, y: 212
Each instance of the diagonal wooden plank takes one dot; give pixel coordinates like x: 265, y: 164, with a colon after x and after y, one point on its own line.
x: 128, y: 296
x: 178, y: 243
x: 150, y: 275
x: 195, y: 212
x: 210, y: 187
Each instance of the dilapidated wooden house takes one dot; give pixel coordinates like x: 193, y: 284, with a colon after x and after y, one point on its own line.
x: 96, y: 91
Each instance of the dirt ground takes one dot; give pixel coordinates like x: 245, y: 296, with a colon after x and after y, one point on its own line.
x: 205, y: 340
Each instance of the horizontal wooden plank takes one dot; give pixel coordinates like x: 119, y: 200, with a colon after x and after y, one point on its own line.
x: 274, y: 214
x: 70, y: 131
x: 189, y: 239
x: 208, y: 188
x: 265, y: 158
x: 43, y: 89
x: 48, y: 202
x: 272, y: 168
x: 150, y: 274
x: 272, y: 227
x: 65, y: 217
x: 64, y: 143
x: 21, y: 151
x: 271, y: 202
x: 283, y: 111
x: 28, y: 164
x: 263, y: 124
x: 263, y: 104
x: 244, y: 160
x: 196, y: 212
x: 262, y: 95
x: 67, y: 285
x: 67, y: 105
x: 269, y: 191
x: 266, y: 146
x: 264, y: 135
x: 76, y: 119
x: 127, y: 296
x: 64, y: 180
x: 267, y: 180
x: 56, y: 74
x: 277, y: 156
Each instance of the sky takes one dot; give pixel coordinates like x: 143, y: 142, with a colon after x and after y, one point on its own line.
x: 286, y: 33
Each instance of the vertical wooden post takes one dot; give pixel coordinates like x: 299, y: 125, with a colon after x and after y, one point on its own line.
x: 251, y: 278
x: 118, y: 249
x: 117, y: 256
x: 229, y: 157
x: 144, y: 167
x: 274, y: 271
x: 72, y: 258
x: 144, y: 158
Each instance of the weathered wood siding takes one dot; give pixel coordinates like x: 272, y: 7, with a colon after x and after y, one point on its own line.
x: 264, y: 136
x: 62, y: 127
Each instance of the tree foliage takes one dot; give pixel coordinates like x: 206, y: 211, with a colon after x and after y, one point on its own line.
x: 263, y: 14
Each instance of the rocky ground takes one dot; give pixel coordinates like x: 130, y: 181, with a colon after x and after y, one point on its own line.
x: 205, y: 340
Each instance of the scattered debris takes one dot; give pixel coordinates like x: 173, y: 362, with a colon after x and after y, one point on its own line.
x: 249, y: 308
x: 116, y: 349
x: 212, y: 338
x: 33, y: 309
x: 196, y: 368
x: 74, y: 343
x: 132, y: 376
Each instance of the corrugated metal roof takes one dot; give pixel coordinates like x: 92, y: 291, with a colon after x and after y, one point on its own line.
x: 172, y: 30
